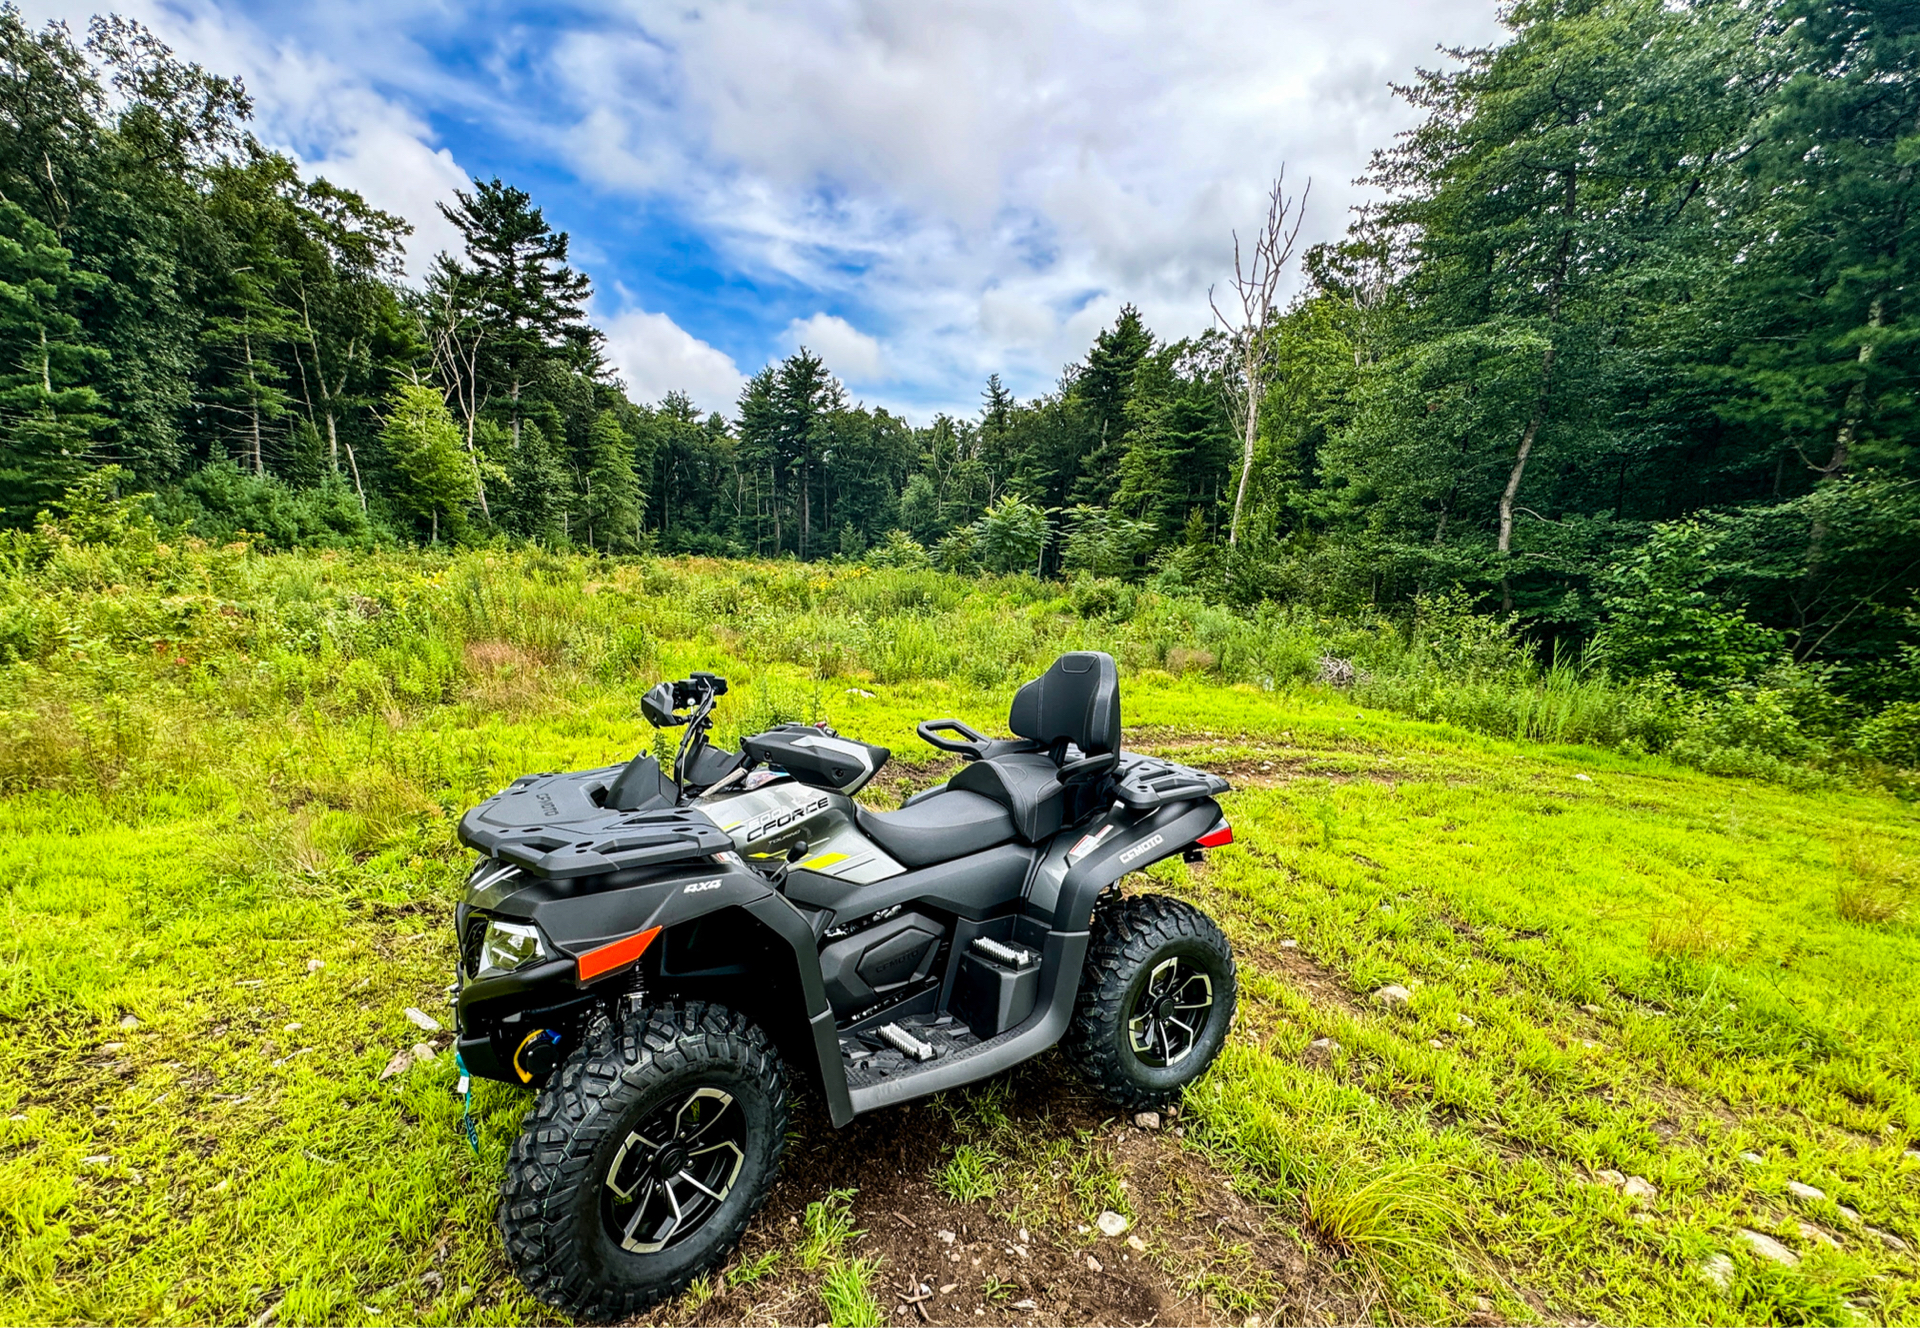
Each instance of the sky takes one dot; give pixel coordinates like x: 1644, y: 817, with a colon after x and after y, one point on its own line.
x: 921, y: 193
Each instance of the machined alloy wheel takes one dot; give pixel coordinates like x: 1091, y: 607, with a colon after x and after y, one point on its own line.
x: 675, y: 1171
x: 643, y: 1158
x: 1156, y: 1000
x: 1170, y: 1012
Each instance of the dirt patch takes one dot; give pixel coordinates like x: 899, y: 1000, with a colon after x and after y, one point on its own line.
x: 1197, y: 1252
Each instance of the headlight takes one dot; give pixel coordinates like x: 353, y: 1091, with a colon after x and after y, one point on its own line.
x: 509, y: 945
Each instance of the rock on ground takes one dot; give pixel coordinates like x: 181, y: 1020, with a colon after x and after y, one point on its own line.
x: 1112, y: 1224
x: 1768, y: 1248
x: 1800, y: 1191
x: 1393, y: 995
x: 1718, y: 1270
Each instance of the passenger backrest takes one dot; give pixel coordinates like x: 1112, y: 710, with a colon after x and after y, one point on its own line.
x: 1077, y: 699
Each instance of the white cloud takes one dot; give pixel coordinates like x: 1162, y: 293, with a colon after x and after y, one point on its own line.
x: 972, y: 187
x: 317, y: 109
x: 978, y: 185
x: 849, y: 353
x: 655, y: 356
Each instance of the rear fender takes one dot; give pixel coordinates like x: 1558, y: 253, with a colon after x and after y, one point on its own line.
x: 1130, y: 843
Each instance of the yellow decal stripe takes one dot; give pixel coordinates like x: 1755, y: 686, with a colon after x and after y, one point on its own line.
x: 824, y: 861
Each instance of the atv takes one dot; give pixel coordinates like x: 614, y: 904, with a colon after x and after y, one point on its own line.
x: 658, y: 954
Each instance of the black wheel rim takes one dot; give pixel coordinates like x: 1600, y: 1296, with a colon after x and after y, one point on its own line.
x: 674, y: 1171
x: 1170, y: 1013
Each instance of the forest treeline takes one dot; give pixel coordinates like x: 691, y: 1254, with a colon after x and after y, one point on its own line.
x: 1621, y: 350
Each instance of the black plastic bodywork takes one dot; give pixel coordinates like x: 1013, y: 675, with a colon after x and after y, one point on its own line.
x: 814, y: 958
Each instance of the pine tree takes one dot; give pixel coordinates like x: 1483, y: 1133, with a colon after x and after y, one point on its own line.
x: 532, y: 305
x: 1102, y: 388
x: 49, y: 411
x: 611, y: 500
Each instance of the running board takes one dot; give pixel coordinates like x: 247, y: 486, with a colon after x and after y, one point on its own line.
x: 955, y: 1065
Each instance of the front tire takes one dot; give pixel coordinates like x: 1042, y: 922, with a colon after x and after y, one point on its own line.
x: 1156, y: 1000
x: 643, y: 1159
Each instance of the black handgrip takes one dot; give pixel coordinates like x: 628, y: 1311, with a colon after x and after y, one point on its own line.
x: 971, y: 749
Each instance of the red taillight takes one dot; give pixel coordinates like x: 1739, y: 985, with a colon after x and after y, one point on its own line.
x: 616, y: 955
x: 1215, y: 838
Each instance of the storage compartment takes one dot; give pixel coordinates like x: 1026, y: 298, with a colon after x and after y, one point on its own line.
x: 815, y: 757
x: 879, y: 961
x: 996, y: 986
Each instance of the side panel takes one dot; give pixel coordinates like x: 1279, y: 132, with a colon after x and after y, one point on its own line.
x: 775, y: 820
x: 972, y: 887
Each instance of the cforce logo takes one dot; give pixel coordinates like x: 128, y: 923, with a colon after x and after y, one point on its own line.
x: 761, y: 829
x: 1142, y: 847
x: 698, y: 886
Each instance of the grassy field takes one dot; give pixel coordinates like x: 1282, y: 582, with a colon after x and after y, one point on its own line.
x: 227, y: 868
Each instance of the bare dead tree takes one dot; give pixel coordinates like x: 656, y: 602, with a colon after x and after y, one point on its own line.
x: 1256, y: 279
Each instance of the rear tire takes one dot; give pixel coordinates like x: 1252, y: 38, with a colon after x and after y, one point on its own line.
x: 643, y: 1159
x: 1156, y: 1000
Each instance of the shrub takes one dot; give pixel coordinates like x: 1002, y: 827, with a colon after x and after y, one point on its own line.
x: 1893, y: 735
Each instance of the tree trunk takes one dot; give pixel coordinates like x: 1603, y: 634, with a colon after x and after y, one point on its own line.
x: 354, y: 466
x: 1251, y: 371
x: 1855, y: 409
x: 253, y: 403
x: 1556, y: 289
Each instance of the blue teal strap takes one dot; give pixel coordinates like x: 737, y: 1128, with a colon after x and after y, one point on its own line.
x: 465, y: 1088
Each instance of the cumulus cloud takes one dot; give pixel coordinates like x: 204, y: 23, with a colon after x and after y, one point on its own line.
x: 972, y: 187
x: 968, y: 182
x: 655, y: 355
x: 849, y: 352
x: 319, y: 109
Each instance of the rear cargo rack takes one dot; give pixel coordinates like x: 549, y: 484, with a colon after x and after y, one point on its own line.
x: 1147, y: 782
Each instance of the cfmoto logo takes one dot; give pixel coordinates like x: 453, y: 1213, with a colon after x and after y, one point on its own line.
x: 1142, y: 847
x: 698, y: 886
x: 761, y: 829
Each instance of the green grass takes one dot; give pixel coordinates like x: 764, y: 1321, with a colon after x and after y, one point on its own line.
x: 226, y: 868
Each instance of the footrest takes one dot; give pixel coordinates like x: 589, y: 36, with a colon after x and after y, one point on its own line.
x: 1003, y: 954
x: 905, y: 1043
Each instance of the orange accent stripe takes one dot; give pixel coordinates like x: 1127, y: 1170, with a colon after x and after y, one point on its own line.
x: 1215, y: 838
x: 617, y: 955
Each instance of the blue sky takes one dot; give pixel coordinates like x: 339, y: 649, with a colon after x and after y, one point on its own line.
x: 923, y: 193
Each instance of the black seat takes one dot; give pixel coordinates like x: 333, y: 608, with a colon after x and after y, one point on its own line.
x: 934, y: 828
x: 1070, y: 718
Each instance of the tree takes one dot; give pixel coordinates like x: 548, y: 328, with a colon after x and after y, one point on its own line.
x: 1009, y: 535
x: 613, y: 500
x: 1829, y: 354
x: 1254, y: 283
x: 423, y: 447
x: 50, y: 413
x: 1101, y: 389
x: 508, y: 322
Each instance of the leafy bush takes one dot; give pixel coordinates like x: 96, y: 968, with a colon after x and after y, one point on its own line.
x: 221, y: 502
x: 1663, y: 619
x: 899, y: 549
